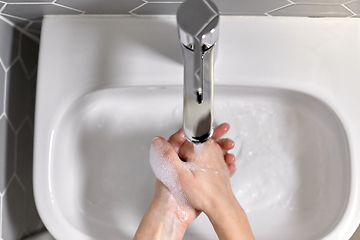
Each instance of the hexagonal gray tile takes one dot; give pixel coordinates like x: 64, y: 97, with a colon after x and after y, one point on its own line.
x: 14, y: 204
x: 157, y: 9
x: 246, y: 7
x: 24, y: 156
x: 166, y: 1
x: 102, y: 7
x: 7, y: 153
x: 312, y: 10
x: 26, y: 1
x: 2, y: 89
x: 31, y: 218
x: 35, y: 28
x: 9, y: 39
x: 321, y: 1
x: 29, y: 53
x: 36, y: 11
x: 17, y: 95
x: 354, y: 6
x: 18, y: 21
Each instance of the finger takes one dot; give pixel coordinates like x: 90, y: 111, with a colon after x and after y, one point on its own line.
x: 226, y: 144
x: 229, y: 158
x: 177, y: 139
x: 165, y: 154
x: 232, y: 169
x: 186, y: 151
x: 220, y: 130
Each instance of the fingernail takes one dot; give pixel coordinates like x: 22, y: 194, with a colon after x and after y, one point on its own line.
x: 157, y: 142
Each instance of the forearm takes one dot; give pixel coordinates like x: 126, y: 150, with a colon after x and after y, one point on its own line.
x: 230, y: 222
x: 159, y: 224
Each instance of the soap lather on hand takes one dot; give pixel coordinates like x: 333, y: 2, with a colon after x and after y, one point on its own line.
x: 191, y: 180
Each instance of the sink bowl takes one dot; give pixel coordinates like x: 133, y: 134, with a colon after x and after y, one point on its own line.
x: 292, y: 102
x: 292, y: 159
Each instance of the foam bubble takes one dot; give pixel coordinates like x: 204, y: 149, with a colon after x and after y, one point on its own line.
x: 165, y: 172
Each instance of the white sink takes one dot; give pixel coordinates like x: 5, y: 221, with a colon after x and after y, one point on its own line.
x: 103, y: 96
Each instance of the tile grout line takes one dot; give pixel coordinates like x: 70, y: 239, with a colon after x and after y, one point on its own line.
x: 63, y: 6
x: 3, y: 7
x: 279, y: 8
x: 348, y: 9
x: 20, y: 182
x: 15, y: 155
x: 22, y: 124
x: 36, y: 39
x: 164, y: 2
x: 30, y: 3
x: 1, y: 214
x: 28, y: 77
x: 28, y: 24
x: 3, y: 66
x: 351, y: 1
x: 314, y: 4
x: 136, y: 8
x: 4, y: 91
x: 10, y: 124
x: 31, y: 124
x: 8, y: 184
x: 13, y: 16
x: 318, y: 4
x: 5, y: 94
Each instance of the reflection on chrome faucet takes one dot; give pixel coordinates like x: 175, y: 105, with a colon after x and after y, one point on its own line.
x: 198, y: 32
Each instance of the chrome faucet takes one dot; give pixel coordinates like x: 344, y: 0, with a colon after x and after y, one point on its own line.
x: 198, y: 32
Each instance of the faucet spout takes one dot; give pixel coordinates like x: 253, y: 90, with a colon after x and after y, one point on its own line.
x: 198, y: 32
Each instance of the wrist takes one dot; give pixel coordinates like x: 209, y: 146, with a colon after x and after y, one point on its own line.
x: 230, y: 221
x: 160, y: 222
x: 222, y: 208
x: 172, y: 217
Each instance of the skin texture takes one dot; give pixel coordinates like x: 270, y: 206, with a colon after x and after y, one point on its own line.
x: 206, y: 186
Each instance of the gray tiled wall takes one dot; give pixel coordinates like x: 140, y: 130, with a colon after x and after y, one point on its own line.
x: 20, y: 24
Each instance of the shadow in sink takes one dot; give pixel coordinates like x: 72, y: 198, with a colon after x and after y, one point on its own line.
x: 292, y: 160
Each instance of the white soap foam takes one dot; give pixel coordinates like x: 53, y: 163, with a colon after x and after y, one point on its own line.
x: 166, y: 173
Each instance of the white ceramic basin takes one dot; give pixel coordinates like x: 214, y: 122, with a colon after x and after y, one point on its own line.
x: 298, y: 169
x: 292, y: 156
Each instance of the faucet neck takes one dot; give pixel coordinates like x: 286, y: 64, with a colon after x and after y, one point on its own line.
x: 198, y: 33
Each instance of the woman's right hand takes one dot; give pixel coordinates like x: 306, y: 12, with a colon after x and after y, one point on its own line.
x: 205, y: 181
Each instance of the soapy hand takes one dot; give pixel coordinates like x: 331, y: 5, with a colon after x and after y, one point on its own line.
x: 170, y: 153
x: 168, y: 216
x: 205, y: 181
